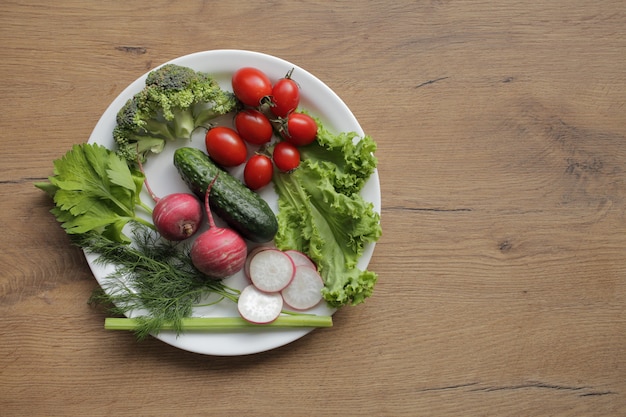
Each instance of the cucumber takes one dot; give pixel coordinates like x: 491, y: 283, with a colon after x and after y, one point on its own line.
x: 241, y: 208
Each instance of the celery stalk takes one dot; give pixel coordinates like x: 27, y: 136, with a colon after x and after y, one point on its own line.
x: 205, y: 324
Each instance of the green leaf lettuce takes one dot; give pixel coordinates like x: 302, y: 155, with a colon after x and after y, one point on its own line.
x: 322, y: 213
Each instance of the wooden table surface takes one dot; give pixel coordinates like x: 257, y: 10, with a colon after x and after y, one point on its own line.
x: 501, y: 132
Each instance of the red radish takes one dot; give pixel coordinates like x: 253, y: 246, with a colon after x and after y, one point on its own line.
x: 300, y: 259
x: 219, y: 252
x: 246, y: 267
x: 176, y: 216
x: 271, y: 270
x: 259, y: 307
x: 305, y: 290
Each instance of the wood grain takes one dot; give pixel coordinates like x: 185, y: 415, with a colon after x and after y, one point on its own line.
x: 501, y: 144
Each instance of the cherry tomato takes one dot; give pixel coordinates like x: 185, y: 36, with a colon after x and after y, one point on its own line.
x: 253, y: 126
x: 285, y: 96
x: 258, y: 171
x: 225, y: 146
x: 301, y: 129
x: 250, y: 85
x: 286, y: 156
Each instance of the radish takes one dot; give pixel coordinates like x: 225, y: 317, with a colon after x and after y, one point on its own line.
x: 271, y: 270
x: 300, y: 259
x: 176, y: 216
x: 305, y: 289
x: 246, y: 267
x: 219, y: 252
x: 259, y: 307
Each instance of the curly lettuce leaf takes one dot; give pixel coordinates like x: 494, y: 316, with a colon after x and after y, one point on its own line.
x: 322, y: 214
x: 348, y: 159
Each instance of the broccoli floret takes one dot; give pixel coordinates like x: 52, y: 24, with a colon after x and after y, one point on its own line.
x: 133, y: 147
x: 174, y: 102
x: 173, y: 77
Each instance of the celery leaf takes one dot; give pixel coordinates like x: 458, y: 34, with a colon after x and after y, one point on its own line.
x: 94, y: 190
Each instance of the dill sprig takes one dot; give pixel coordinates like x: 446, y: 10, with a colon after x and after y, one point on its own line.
x: 150, y: 274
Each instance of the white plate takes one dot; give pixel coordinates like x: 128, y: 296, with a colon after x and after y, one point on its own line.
x: 320, y: 101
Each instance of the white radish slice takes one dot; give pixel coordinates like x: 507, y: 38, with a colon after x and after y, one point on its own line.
x: 259, y: 307
x: 300, y: 259
x: 246, y: 266
x: 271, y: 270
x: 305, y: 290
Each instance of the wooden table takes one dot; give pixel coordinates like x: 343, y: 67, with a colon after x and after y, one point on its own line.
x: 501, y: 131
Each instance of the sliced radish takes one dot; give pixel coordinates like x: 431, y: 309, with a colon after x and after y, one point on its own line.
x: 271, y: 270
x: 300, y: 259
x: 305, y: 289
x: 246, y: 267
x: 259, y: 307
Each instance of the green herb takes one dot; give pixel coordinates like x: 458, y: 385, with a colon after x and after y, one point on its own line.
x: 153, y: 275
x: 94, y: 190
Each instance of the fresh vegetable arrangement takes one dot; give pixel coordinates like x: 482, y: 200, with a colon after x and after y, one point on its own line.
x: 293, y: 260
